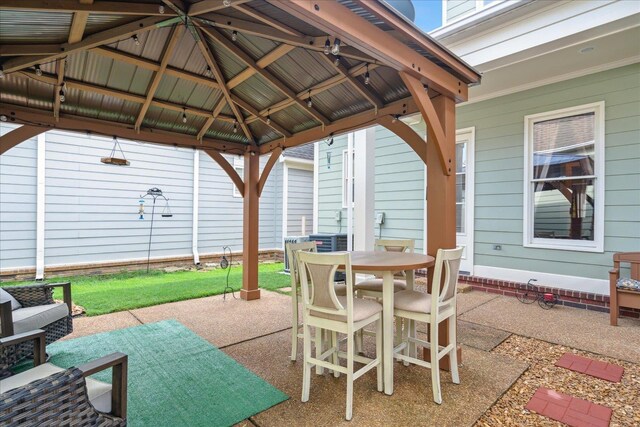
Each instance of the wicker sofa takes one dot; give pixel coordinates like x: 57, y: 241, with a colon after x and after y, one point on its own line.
x: 49, y: 395
x: 37, y: 311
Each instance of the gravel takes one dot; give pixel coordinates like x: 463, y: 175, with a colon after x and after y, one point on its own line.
x: 623, y: 397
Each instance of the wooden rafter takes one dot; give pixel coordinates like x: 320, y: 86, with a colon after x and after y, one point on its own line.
x: 266, y: 20
x: 28, y: 49
x: 263, y: 62
x: 334, y: 18
x: 127, y: 96
x: 154, y: 66
x: 428, y: 111
x: 315, y: 89
x: 244, y: 57
x: 78, y: 24
x: 355, y: 83
x: 357, y: 121
x: 101, y: 38
x: 267, y: 121
x: 42, y: 118
x: 275, y: 155
x: 101, y: 7
x: 228, y: 168
x: 217, y: 73
x: 17, y: 135
x: 174, y: 36
x: 207, y: 6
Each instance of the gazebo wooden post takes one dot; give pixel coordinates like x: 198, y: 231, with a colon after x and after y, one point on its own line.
x: 251, y: 224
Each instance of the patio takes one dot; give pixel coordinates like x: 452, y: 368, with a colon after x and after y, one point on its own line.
x: 491, y: 366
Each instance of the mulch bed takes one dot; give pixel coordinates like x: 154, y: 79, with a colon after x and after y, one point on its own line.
x: 622, y: 397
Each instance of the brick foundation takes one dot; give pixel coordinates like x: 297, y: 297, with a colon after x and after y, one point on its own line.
x: 130, y: 265
x: 575, y: 299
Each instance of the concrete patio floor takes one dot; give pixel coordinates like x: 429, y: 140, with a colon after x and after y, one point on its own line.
x: 257, y: 335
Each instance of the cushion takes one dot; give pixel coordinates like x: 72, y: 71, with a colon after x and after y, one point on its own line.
x: 341, y: 289
x: 362, y: 309
x: 375, y: 285
x: 6, y: 296
x: 99, y: 393
x: 415, y: 301
x: 630, y: 284
x: 30, y: 318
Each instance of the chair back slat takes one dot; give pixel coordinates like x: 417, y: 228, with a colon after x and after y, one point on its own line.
x: 317, y: 273
x: 395, y: 245
x: 292, y: 250
x: 631, y: 258
x: 445, y: 276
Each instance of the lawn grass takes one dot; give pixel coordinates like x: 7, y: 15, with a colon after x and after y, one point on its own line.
x: 128, y: 290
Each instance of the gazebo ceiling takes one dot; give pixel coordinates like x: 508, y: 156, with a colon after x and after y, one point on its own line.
x: 229, y: 75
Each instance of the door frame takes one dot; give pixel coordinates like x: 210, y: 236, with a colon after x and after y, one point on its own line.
x: 470, y: 136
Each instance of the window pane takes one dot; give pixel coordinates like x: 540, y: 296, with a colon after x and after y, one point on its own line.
x: 460, y: 222
x: 564, y: 209
x: 461, y: 157
x: 461, y: 183
x: 564, y: 147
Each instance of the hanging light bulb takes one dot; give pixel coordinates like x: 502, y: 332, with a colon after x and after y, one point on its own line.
x: 38, y: 71
x: 234, y: 35
x: 327, y: 47
x: 184, y: 115
x: 161, y: 9
x: 268, y: 117
x: 1, y: 73
x: 395, y: 118
x: 226, y: 3
x: 235, y: 126
x: 426, y: 88
x: 209, y: 73
x: 367, y: 77
x: 336, y: 47
x: 3, y: 118
x: 61, y: 93
x: 309, y: 101
x: 136, y: 40
x: 336, y: 61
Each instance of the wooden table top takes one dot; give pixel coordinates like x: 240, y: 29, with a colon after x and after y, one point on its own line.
x: 389, y: 261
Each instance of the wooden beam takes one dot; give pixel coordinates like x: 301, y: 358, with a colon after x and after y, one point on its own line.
x: 174, y: 36
x: 207, y: 6
x: 78, y: 24
x: 28, y: 49
x: 88, y: 87
x: 258, y: 16
x: 250, y: 228
x: 205, y: 128
x: 71, y: 6
x: 18, y: 135
x: 408, y: 135
x: 244, y: 57
x: 338, y: 20
x: 215, y: 69
x: 355, y: 83
x: 410, y: 32
x: 357, y: 121
x: 154, y: 66
x: 70, y: 122
x: 263, y: 62
x: 228, y: 168
x: 269, y: 122
x: 101, y: 38
x: 275, y: 155
x: 430, y: 115
x: 270, y: 33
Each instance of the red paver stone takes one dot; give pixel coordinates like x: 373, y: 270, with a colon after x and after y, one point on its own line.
x: 595, y: 368
x: 569, y: 410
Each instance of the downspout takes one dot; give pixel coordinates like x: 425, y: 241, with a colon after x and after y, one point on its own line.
x: 195, y: 206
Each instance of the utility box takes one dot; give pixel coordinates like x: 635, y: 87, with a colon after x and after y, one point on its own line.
x: 291, y: 239
x: 331, y: 243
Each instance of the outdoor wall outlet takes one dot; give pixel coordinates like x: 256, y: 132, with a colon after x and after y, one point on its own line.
x: 497, y: 247
x: 338, y: 216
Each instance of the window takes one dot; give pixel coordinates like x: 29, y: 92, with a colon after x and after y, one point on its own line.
x: 564, y: 179
x: 238, y: 165
x: 345, y: 178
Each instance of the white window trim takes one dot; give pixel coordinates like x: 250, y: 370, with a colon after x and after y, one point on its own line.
x: 238, y: 165
x: 479, y: 6
x: 597, y: 245
x: 345, y: 168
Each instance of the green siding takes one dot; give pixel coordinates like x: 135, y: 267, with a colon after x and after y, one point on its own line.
x: 330, y: 187
x: 499, y: 125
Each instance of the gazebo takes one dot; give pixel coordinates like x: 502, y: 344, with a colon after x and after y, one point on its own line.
x: 242, y: 77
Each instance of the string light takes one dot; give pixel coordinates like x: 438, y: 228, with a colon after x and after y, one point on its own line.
x: 161, y: 9
x: 336, y: 62
x: 234, y: 35
x: 309, y: 101
x: 1, y: 73
x: 38, y: 71
x: 136, y: 40
x: 395, y: 118
x: 330, y: 140
x: 184, y: 115
x: 336, y: 47
x: 226, y: 3
x: 61, y: 93
x: 235, y: 126
x: 269, y: 116
x: 367, y: 77
x: 209, y: 73
x: 426, y: 88
x: 3, y: 118
x: 327, y: 47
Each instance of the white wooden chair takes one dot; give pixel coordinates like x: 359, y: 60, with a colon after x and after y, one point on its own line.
x: 324, y: 309
x: 291, y: 253
x: 434, y: 308
x: 373, y: 287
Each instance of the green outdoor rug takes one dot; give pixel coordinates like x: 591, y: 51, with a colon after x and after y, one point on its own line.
x: 176, y: 378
